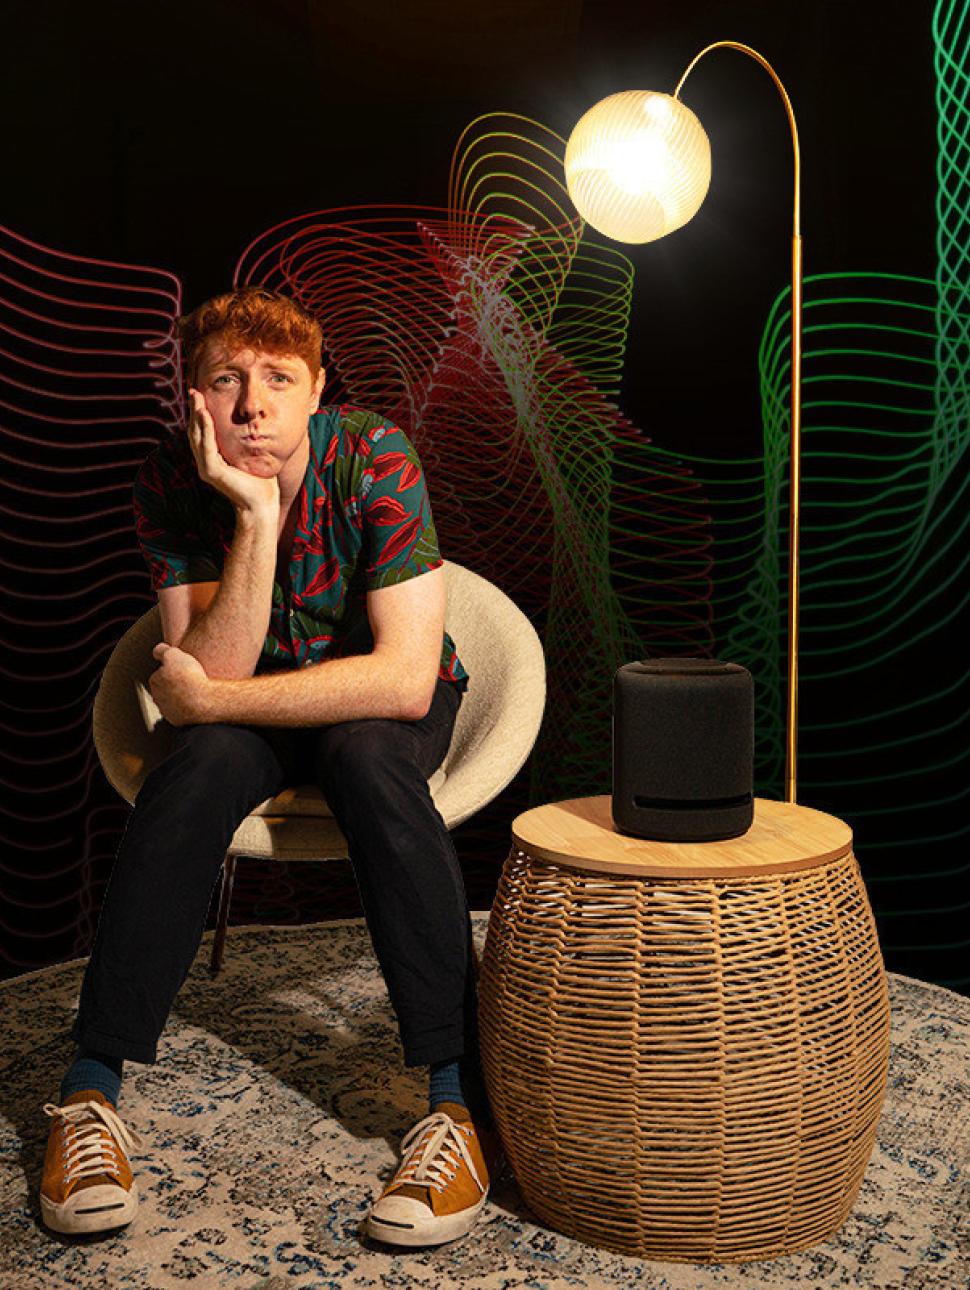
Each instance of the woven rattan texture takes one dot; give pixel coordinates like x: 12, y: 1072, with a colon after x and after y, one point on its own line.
x: 686, y: 1069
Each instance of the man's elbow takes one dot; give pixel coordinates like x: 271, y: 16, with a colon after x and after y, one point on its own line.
x: 220, y: 668
x: 421, y: 699
x: 411, y: 695
x: 419, y: 706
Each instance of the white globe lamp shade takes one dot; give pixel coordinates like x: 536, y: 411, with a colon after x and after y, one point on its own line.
x: 638, y: 165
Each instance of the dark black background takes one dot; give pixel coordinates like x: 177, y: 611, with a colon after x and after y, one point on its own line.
x: 174, y: 140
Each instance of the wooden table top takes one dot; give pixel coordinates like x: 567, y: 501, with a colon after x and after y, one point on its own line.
x: 579, y: 832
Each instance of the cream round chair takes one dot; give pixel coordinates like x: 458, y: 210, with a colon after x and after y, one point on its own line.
x: 497, y: 726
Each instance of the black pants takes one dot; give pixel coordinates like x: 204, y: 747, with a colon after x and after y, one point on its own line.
x: 374, y: 774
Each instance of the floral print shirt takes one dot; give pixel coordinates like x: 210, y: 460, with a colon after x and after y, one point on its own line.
x: 363, y: 521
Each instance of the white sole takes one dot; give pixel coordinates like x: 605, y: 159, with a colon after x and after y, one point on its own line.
x: 93, y: 1209
x: 430, y: 1231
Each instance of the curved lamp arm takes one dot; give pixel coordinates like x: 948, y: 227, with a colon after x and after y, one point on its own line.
x: 753, y: 53
x: 795, y: 449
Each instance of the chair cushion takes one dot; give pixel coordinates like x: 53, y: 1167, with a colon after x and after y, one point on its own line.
x: 307, y: 799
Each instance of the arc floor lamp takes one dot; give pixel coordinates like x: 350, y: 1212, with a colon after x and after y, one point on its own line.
x: 638, y: 166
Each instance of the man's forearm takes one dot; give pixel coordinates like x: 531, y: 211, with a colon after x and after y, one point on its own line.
x: 339, y: 689
x: 228, y: 638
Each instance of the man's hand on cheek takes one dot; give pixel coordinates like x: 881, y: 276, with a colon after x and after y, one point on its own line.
x: 179, y: 686
x: 246, y: 492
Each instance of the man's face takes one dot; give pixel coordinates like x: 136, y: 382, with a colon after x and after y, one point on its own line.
x: 260, y: 404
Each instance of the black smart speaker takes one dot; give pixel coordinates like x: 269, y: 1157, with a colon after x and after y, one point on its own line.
x: 683, y: 749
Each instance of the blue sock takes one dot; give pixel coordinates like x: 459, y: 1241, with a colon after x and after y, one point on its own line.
x: 93, y: 1070
x: 459, y: 1079
x: 445, y: 1084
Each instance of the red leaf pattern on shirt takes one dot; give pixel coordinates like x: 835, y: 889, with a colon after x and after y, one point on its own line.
x: 401, y: 540
x: 386, y: 510
x: 324, y: 578
x: 388, y: 463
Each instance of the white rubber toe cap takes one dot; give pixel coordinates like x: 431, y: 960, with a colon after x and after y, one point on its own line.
x: 401, y: 1209
x: 91, y: 1209
x: 402, y: 1220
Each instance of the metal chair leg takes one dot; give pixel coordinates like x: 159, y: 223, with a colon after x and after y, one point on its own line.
x: 222, y: 921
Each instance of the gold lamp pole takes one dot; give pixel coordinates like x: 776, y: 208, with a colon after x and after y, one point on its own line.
x: 638, y: 166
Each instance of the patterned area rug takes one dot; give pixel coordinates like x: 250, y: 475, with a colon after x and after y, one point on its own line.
x: 278, y: 1102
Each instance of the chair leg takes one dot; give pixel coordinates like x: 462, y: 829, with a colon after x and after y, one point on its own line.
x: 222, y: 921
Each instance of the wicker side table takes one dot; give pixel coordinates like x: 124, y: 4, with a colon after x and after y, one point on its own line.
x: 686, y: 1045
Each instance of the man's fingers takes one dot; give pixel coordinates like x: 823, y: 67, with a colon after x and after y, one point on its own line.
x: 207, y: 441
x: 198, y: 438
x: 194, y: 432
x: 202, y: 439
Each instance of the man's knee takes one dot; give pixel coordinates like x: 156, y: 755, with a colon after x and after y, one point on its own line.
x: 364, y: 749
x: 217, y: 752
x: 215, y: 739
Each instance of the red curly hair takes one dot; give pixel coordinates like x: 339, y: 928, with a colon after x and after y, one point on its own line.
x: 251, y: 317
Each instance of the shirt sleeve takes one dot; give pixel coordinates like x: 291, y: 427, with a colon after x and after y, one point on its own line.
x: 400, y: 540
x: 168, y: 525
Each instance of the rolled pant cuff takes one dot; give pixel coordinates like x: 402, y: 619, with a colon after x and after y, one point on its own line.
x: 427, y: 1051
x: 128, y: 1049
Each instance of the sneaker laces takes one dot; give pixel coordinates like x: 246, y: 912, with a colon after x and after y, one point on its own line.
x: 431, y: 1150
x: 88, y: 1148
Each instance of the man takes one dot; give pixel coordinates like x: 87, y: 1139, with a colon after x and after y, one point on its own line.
x: 302, y: 602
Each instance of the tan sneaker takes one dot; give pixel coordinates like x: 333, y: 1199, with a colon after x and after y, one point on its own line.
x: 88, y: 1184
x: 441, y: 1183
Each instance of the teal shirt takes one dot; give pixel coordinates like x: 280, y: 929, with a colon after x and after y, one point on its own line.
x: 364, y: 521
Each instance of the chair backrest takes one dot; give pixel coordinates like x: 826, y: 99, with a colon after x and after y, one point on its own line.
x: 500, y: 715
x: 497, y: 724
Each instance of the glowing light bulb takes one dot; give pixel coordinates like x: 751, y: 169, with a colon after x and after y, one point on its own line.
x: 638, y: 165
